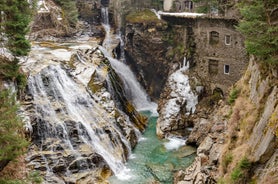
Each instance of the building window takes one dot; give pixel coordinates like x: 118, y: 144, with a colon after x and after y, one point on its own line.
x: 227, y: 39
x: 213, y: 37
x: 213, y: 67
x: 226, y: 69
x: 188, y: 5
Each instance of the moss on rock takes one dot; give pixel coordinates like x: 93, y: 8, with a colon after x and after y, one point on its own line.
x: 144, y: 16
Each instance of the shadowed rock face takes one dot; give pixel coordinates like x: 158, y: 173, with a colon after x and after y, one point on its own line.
x: 146, y: 53
x: 105, y: 3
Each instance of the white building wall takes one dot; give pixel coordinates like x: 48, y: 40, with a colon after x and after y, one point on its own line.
x: 167, y: 5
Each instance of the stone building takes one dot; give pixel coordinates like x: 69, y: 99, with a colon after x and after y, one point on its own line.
x: 221, y: 58
x: 178, y: 5
x: 215, y: 49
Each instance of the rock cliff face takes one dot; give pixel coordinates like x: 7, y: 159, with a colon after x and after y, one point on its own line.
x: 237, y: 140
x: 145, y: 52
x: 51, y: 25
x: 66, y: 99
x: 151, y: 52
x: 241, y: 142
x: 156, y: 49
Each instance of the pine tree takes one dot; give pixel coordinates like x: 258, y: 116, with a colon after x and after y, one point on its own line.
x: 70, y: 10
x: 12, y: 141
x: 206, y: 6
x: 15, y: 18
x: 260, y: 28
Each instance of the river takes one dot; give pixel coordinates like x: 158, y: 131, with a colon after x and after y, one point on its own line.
x: 154, y: 159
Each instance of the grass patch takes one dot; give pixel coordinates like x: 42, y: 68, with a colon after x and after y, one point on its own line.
x: 244, y: 163
x: 228, y: 158
x: 241, y: 171
x: 233, y: 95
x: 33, y: 177
x: 236, y: 175
x: 144, y: 16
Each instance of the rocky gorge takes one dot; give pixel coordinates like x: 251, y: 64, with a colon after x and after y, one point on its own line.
x: 82, y: 113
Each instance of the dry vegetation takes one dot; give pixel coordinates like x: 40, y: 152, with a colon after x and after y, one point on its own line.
x: 15, y: 170
x: 236, y: 163
x: 52, y: 23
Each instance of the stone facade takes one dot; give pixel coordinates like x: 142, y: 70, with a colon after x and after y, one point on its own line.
x: 221, y: 58
x: 215, y: 49
x: 178, y: 5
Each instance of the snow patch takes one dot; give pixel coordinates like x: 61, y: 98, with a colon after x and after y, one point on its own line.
x: 181, y: 14
x: 181, y: 93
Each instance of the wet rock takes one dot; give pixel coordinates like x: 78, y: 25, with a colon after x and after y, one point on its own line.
x: 145, y: 51
x: 67, y: 124
x: 176, y: 110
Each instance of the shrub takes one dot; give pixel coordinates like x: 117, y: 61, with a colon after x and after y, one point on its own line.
x: 233, y: 95
x: 241, y: 171
x: 9, y: 70
x: 236, y: 174
x: 244, y: 163
x: 228, y: 158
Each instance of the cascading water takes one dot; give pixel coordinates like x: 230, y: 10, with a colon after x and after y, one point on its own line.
x: 76, y: 132
x: 152, y: 160
x: 133, y: 89
x: 58, y: 99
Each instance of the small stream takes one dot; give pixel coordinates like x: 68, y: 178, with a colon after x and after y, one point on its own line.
x: 154, y: 159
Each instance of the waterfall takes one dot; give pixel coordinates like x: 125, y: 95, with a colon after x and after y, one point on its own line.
x: 133, y: 89
x: 61, y: 102
x: 105, y: 15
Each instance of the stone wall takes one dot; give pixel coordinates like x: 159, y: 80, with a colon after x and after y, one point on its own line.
x: 211, y: 45
x: 220, y: 57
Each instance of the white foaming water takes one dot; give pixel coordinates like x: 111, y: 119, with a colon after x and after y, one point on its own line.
x: 174, y: 143
x: 61, y: 92
x: 133, y: 89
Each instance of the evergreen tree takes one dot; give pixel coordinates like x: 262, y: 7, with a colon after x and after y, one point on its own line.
x: 259, y: 26
x: 15, y: 18
x: 207, y: 6
x: 70, y: 10
x: 12, y: 140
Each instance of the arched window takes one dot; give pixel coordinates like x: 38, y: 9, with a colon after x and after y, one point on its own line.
x: 213, y: 37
